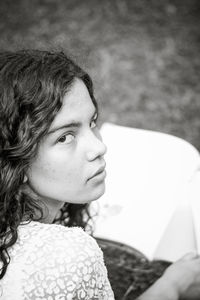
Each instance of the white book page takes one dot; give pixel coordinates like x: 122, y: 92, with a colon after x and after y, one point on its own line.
x: 195, y: 204
x: 181, y: 234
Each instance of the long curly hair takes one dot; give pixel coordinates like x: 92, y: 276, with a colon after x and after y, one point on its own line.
x: 32, y: 86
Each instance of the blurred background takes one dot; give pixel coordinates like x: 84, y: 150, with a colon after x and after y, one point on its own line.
x: 143, y: 55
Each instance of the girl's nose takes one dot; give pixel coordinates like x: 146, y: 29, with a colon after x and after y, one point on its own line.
x: 96, y: 148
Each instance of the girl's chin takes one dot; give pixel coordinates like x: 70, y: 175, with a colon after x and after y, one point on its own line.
x: 88, y: 196
x: 98, y: 192
x: 91, y: 196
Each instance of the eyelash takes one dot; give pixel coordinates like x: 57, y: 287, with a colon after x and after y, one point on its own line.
x: 65, y: 135
x: 73, y: 134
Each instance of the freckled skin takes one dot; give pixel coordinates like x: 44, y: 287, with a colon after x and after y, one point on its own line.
x: 67, y: 158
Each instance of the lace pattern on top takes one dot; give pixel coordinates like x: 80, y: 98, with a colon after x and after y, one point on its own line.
x: 56, y: 263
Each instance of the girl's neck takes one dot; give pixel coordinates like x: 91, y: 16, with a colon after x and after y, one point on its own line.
x: 50, y: 207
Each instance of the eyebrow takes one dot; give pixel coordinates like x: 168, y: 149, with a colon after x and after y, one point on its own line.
x: 70, y: 125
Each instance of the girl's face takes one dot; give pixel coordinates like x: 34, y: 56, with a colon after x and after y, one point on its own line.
x: 70, y: 154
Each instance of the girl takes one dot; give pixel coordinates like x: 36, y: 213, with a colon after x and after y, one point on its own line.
x: 52, y: 165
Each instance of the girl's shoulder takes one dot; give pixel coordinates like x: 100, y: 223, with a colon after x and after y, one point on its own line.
x: 42, y: 236
x: 64, y: 261
x: 56, y: 262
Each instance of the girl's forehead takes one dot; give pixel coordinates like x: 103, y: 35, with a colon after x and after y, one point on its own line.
x: 77, y: 105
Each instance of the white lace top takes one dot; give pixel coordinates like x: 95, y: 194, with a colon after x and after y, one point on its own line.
x: 52, y: 262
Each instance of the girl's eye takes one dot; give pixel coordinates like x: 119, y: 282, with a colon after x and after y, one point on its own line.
x: 93, y: 124
x: 66, y: 139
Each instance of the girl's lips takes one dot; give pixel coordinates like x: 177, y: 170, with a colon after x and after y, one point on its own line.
x: 98, y: 172
x: 99, y: 176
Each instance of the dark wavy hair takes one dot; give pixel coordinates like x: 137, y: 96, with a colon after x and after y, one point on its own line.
x: 32, y: 86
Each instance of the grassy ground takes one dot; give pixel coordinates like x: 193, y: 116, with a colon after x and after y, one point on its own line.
x: 143, y: 55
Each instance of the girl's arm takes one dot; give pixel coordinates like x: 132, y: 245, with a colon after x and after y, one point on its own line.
x: 180, y: 281
x: 161, y: 289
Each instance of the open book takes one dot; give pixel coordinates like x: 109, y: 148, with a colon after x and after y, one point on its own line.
x: 152, y: 199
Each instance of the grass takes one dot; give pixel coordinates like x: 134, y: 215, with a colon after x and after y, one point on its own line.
x: 143, y: 55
